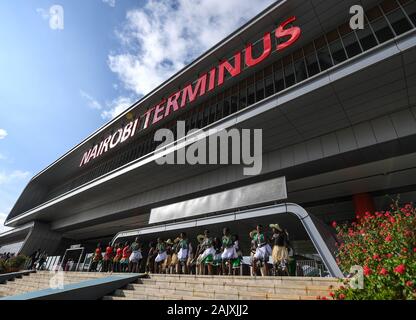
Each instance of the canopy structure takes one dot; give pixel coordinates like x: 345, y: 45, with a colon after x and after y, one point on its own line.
x: 297, y: 220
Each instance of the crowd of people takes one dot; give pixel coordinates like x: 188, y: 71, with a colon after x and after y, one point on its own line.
x: 6, y: 256
x: 38, y: 260
x: 212, y: 255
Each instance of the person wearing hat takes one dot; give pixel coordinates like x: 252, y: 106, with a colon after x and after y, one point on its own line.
x: 279, y: 239
x: 208, y: 253
x: 161, y: 255
x: 183, y: 249
x: 263, y: 250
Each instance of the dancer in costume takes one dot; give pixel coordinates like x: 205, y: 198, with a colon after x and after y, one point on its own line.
x: 263, y: 250
x: 136, y: 256
x: 161, y: 255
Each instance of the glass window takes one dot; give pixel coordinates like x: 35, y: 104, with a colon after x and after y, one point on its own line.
x: 351, y: 45
x: 336, y: 47
x: 300, y: 70
x: 212, y: 112
x: 410, y: 9
x: 259, y: 86
x: 399, y: 21
x: 243, y: 95
x: 234, y: 99
x: 382, y: 30
x: 250, y: 91
x: 289, y: 72
x: 324, y: 56
x: 269, y: 87
x: 250, y: 95
x: 279, y: 81
x: 389, y: 5
x: 366, y: 37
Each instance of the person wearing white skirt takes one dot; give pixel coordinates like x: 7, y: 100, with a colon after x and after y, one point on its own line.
x: 183, y: 246
x: 228, y: 251
x: 263, y: 250
x: 161, y: 254
x: 136, y: 256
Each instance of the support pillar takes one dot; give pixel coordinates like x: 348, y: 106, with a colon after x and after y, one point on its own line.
x: 363, y: 202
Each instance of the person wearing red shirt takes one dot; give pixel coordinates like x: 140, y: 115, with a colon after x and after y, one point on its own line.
x: 96, y: 258
x: 108, y: 258
x: 124, y: 262
x: 117, y: 258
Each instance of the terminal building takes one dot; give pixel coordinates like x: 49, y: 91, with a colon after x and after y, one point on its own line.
x: 337, y: 109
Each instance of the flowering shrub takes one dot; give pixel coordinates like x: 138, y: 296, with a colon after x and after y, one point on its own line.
x: 384, y: 244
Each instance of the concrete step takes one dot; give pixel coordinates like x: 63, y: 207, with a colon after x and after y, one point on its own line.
x: 200, y: 295
x: 207, y: 287
x: 41, y: 280
x: 237, y: 282
x: 269, y: 286
x: 301, y: 281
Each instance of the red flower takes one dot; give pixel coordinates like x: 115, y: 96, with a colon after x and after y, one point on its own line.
x: 376, y: 256
x: 332, y: 294
x: 341, y: 296
x: 388, y: 238
x: 401, y: 268
x: 409, y: 283
x: 324, y: 298
x: 404, y: 250
x: 389, y: 255
x: 414, y: 249
x: 384, y: 272
x: 334, y: 224
x: 392, y: 220
x: 367, y: 270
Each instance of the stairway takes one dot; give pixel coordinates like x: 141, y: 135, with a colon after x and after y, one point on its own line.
x: 191, y: 287
x: 41, y: 280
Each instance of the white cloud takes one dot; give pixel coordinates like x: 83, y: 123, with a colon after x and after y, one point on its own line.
x: 164, y: 36
x: 116, y: 107
x: 91, y: 102
x: 13, y: 176
x: 3, y: 134
x: 3, y: 217
x: 111, y: 3
x: 2, y: 157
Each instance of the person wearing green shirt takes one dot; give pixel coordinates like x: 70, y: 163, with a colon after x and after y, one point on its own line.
x: 263, y: 251
x: 228, y: 251
x: 136, y: 256
x: 183, y: 246
x: 161, y: 254
x: 208, y: 253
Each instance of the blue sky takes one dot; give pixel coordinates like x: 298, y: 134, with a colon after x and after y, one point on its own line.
x: 58, y: 86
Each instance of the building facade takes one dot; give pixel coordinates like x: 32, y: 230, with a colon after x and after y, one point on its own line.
x: 337, y: 109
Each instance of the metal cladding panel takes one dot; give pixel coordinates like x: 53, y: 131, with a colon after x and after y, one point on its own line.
x: 254, y: 194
